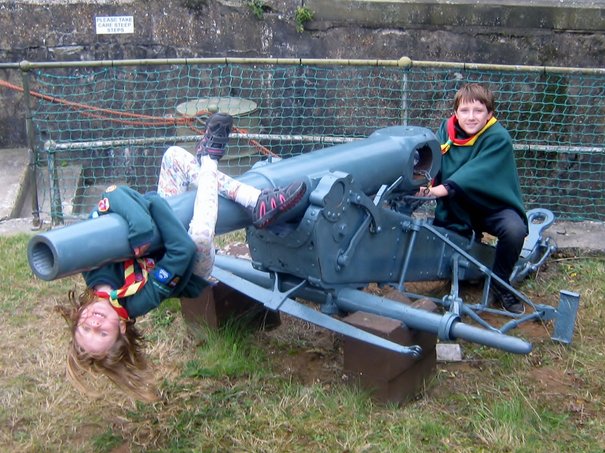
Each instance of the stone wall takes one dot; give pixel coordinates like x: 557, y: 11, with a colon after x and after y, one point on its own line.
x: 535, y: 32
x: 504, y: 31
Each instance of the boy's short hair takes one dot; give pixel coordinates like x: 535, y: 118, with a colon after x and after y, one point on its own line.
x: 475, y: 92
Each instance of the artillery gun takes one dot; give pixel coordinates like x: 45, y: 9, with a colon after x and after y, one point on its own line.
x: 358, y: 226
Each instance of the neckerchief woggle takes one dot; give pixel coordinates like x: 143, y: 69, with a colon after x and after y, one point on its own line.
x: 132, y: 285
x: 470, y: 141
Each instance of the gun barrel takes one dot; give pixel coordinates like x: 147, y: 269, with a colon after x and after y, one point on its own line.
x: 387, y: 154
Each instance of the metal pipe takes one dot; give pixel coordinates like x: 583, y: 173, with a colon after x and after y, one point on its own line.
x: 351, y: 300
x: 193, y: 138
x: 447, y: 326
x: 403, y: 62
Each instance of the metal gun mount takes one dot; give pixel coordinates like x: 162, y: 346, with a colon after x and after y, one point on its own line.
x: 355, y: 228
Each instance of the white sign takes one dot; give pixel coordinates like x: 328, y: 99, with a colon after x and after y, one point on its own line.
x: 113, y: 25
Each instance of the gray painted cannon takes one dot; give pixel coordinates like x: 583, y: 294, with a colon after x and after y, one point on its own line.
x: 356, y: 227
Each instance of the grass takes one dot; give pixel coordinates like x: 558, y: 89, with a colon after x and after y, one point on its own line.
x: 238, y: 390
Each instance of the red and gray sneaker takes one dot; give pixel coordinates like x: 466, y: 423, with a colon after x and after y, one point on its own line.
x: 274, y: 202
x: 214, y: 142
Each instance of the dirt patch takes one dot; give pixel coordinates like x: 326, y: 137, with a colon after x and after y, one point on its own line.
x: 560, y: 385
x: 304, y: 352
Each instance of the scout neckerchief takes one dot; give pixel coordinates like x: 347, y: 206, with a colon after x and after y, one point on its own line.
x: 470, y: 141
x: 132, y: 285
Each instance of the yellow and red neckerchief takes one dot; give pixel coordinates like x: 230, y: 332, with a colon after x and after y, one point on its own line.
x: 451, y: 133
x: 132, y: 284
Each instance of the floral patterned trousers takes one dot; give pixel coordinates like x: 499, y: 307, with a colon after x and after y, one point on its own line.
x: 181, y: 172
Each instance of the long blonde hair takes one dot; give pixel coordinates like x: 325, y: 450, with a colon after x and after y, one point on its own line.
x: 124, y: 364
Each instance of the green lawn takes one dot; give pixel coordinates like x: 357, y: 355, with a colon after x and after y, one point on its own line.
x: 237, y: 390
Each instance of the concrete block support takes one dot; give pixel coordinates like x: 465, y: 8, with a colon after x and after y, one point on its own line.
x: 390, y: 377
x: 218, y: 304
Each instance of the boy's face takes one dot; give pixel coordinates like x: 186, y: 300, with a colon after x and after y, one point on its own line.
x: 472, y: 116
x: 98, y: 327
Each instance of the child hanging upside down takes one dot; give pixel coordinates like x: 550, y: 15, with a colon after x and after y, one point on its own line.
x: 102, y: 319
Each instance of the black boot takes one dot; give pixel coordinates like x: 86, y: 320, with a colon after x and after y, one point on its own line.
x: 507, y: 300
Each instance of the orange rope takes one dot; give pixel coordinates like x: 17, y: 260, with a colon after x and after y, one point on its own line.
x: 90, y: 107
x: 154, y: 120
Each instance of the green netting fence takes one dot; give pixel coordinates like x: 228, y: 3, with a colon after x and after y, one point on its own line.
x: 108, y: 122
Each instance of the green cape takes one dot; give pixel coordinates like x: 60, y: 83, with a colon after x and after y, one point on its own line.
x: 484, y: 177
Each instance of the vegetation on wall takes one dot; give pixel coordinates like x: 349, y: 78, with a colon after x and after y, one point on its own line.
x: 258, y: 7
x: 302, y: 16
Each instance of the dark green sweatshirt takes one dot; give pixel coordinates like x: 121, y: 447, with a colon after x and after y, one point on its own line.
x: 483, y: 177
x: 172, y: 275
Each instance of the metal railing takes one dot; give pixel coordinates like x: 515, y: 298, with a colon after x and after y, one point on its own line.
x: 95, y: 123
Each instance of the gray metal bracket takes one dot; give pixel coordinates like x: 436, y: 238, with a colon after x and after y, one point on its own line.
x: 536, y: 248
x: 371, y: 221
x: 298, y: 310
x: 564, y: 316
x: 567, y: 311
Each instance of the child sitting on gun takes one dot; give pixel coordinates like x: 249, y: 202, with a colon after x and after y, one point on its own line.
x: 102, y: 319
x: 477, y: 188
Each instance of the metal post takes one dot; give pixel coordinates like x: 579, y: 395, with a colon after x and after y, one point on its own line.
x: 56, y: 210
x: 31, y: 149
x: 404, y: 99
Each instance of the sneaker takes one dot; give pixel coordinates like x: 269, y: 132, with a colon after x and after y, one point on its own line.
x: 273, y: 202
x: 214, y: 142
x: 508, y: 301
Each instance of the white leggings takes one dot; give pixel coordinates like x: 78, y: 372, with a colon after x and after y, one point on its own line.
x: 180, y: 172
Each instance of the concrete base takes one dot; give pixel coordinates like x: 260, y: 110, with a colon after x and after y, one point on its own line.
x: 390, y: 377
x: 66, y: 193
x: 219, y: 304
x: 15, y: 176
